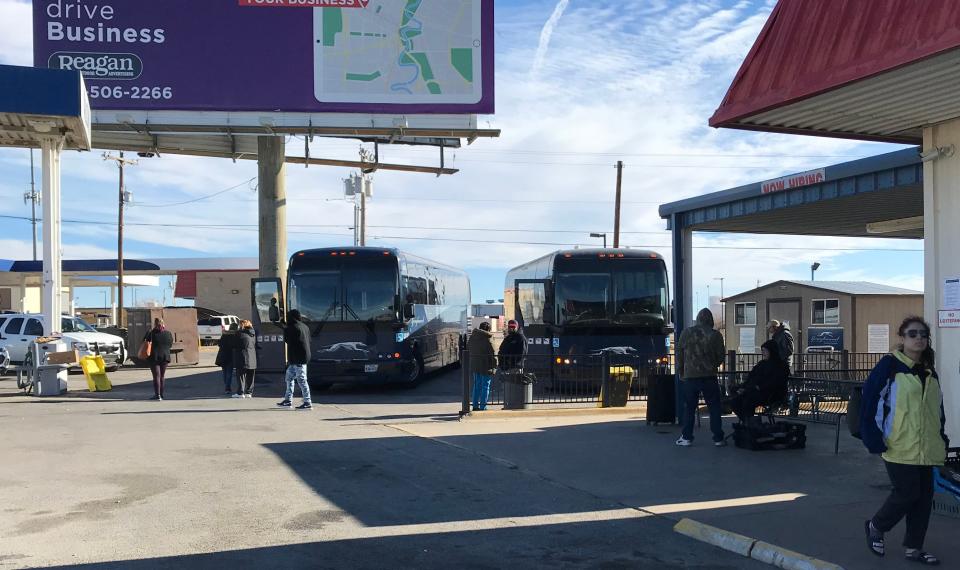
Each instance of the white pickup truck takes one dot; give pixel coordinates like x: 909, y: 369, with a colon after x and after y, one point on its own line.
x: 18, y: 330
x: 212, y: 328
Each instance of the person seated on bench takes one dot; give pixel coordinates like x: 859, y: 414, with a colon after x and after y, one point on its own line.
x: 766, y: 384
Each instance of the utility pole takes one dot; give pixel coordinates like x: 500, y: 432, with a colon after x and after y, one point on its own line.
x: 616, y: 214
x: 363, y: 218
x: 123, y: 199
x: 34, y: 198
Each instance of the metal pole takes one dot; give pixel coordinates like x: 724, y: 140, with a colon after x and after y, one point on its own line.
x: 33, y: 207
x: 616, y: 214
x: 363, y: 216
x: 467, y: 388
x: 121, y: 320
x: 272, y: 206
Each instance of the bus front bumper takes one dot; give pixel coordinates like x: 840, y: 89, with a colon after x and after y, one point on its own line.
x: 358, y: 371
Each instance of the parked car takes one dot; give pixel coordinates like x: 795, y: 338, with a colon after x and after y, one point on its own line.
x: 18, y: 330
x: 212, y: 328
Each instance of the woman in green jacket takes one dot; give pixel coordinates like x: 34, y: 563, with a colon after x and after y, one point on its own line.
x: 902, y: 418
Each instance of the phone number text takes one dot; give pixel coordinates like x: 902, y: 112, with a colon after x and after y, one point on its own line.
x: 118, y: 92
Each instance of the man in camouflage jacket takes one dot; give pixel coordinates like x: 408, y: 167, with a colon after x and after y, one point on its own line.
x: 699, y: 353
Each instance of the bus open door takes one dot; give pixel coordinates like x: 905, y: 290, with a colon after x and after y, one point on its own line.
x: 267, y: 307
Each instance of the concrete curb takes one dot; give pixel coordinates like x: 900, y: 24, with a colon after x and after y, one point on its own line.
x: 639, y: 411
x: 751, y: 547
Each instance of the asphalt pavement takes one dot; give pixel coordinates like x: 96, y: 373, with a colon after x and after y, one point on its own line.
x: 388, y: 477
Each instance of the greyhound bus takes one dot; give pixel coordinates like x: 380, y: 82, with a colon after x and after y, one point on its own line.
x: 587, y: 302
x: 376, y: 315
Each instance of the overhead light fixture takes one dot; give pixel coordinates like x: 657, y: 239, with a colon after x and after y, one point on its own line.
x: 937, y: 152
x: 898, y: 225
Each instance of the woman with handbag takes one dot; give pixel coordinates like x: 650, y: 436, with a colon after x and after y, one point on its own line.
x: 155, y: 349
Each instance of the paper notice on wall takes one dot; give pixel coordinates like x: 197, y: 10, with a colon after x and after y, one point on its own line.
x: 748, y: 340
x: 878, y: 338
x: 951, y: 293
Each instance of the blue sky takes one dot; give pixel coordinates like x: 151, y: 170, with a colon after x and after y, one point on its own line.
x: 580, y: 85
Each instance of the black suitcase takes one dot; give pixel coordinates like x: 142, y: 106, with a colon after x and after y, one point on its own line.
x: 661, y: 399
x: 761, y: 437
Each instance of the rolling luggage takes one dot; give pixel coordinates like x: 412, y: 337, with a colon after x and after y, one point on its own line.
x: 661, y: 399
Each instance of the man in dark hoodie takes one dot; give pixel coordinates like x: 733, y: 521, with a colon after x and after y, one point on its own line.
x: 513, y: 349
x: 296, y: 336
x: 482, y: 363
x: 699, y: 353
x: 766, y: 384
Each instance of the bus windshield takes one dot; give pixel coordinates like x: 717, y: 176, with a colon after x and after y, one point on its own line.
x: 622, y: 292
x: 357, y: 290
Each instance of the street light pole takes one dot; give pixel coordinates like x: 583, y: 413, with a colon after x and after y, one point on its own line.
x: 813, y: 268
x: 723, y: 307
x: 601, y: 235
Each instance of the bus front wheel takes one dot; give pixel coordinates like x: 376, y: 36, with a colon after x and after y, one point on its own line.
x: 416, y: 372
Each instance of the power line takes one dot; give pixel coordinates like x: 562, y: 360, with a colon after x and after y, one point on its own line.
x: 252, y: 228
x: 201, y: 198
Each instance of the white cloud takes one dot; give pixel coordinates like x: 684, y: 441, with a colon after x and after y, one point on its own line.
x: 626, y: 80
x: 16, y: 32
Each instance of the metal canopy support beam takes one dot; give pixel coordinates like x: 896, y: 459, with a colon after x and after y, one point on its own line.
x: 52, y: 254
x: 272, y: 199
x: 682, y: 241
x: 941, y: 191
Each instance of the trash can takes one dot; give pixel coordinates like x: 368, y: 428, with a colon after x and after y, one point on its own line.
x: 517, y: 390
x: 615, y: 388
x: 661, y: 399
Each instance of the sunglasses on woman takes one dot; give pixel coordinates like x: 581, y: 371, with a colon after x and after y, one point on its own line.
x: 914, y: 333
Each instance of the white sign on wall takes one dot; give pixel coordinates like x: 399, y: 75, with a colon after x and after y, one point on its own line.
x: 948, y: 319
x: 878, y: 338
x: 951, y: 293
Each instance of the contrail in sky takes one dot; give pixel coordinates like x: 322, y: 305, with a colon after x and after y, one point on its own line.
x: 545, y: 35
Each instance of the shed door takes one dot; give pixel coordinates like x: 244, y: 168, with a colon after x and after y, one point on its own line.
x: 788, y: 311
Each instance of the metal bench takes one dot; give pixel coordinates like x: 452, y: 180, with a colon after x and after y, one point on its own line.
x: 814, y: 400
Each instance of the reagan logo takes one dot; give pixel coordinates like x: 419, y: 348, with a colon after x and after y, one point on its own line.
x: 99, y: 65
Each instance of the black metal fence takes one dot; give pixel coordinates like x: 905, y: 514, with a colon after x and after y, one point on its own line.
x: 842, y: 365
x: 577, y: 379
x: 601, y: 379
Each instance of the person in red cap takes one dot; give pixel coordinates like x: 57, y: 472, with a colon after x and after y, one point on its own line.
x: 513, y: 349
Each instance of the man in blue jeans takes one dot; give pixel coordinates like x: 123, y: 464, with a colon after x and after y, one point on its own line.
x: 699, y: 354
x: 482, y: 363
x: 296, y: 335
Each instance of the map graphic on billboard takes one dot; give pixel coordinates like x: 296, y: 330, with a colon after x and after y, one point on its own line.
x: 297, y: 56
x: 412, y: 51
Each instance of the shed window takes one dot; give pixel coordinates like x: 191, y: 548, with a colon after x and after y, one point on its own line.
x: 826, y: 312
x: 745, y: 314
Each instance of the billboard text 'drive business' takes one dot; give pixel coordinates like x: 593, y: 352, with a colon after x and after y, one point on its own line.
x: 328, y: 56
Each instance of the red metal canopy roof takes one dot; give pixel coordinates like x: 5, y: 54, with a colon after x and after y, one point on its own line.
x: 814, y: 47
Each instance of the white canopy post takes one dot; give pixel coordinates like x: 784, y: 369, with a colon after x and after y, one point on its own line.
x: 52, y: 253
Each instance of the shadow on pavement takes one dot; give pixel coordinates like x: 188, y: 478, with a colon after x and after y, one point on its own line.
x: 611, y: 544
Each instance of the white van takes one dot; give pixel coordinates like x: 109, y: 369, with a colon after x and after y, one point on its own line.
x: 18, y: 330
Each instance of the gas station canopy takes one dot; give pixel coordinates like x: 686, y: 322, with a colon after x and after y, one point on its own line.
x: 42, y: 103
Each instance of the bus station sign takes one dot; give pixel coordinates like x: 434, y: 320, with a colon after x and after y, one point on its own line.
x: 329, y: 56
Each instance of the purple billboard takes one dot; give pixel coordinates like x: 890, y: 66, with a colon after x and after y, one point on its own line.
x: 299, y: 56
